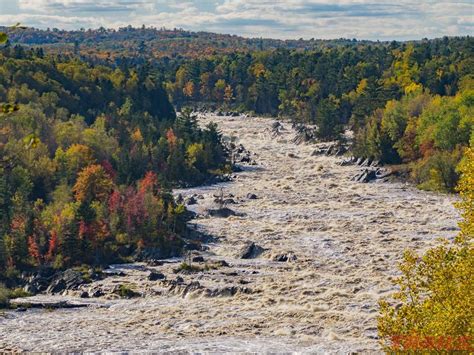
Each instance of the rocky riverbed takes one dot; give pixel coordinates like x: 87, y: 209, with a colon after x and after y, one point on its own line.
x: 298, y: 264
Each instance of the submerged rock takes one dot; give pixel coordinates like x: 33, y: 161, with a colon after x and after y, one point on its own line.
x: 228, y: 291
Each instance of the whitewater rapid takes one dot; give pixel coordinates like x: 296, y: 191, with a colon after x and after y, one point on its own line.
x: 346, y: 239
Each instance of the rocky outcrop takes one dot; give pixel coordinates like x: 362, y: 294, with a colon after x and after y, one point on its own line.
x: 330, y: 149
x: 241, y: 155
x: 373, y: 169
x: 303, y: 134
x: 38, y: 281
x: 277, y: 129
x: 24, y: 304
x: 363, y: 162
x: 179, y: 287
x: 57, y: 282
x: 227, y: 113
x: 371, y: 174
x: 67, y: 280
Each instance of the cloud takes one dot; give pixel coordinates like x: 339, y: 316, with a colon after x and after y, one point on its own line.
x: 363, y: 19
x: 46, y: 6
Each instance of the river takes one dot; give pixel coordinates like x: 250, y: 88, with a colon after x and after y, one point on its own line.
x: 343, y: 240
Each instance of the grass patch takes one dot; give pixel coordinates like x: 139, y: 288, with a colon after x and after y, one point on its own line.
x: 185, y: 267
x: 125, y: 291
x: 7, y: 294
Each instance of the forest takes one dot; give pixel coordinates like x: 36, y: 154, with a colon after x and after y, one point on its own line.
x: 96, y: 144
x: 407, y: 103
x: 88, y: 157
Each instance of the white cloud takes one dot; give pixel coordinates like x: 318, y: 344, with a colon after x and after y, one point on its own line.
x: 268, y: 18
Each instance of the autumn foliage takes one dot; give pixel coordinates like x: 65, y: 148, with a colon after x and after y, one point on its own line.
x: 88, y: 160
x: 434, y: 311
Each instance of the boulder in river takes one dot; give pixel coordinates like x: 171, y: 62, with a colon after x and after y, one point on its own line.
x: 251, y: 251
x: 285, y: 257
x: 222, y: 212
x: 190, y: 201
x: 155, y: 276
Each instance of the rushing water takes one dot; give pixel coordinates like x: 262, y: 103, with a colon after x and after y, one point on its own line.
x: 347, y: 238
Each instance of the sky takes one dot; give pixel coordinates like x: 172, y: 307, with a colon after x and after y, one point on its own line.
x: 286, y: 19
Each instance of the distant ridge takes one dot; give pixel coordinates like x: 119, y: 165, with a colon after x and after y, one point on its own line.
x: 161, y: 42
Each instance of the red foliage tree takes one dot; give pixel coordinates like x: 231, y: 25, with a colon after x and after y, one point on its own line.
x: 53, y: 246
x: 134, y: 208
x: 171, y: 138
x: 33, y: 250
x: 149, y: 183
x: 115, y: 201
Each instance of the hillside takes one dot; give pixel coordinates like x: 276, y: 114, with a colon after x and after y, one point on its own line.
x: 151, y: 42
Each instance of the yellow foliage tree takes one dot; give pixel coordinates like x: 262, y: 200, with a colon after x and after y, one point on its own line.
x: 228, y: 93
x: 466, y: 191
x: 189, y: 89
x: 434, y: 310
x: 93, y: 184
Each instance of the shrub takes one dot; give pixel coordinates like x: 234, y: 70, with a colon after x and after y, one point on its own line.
x: 438, y: 172
x: 18, y: 293
x: 125, y: 291
x: 4, y: 296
